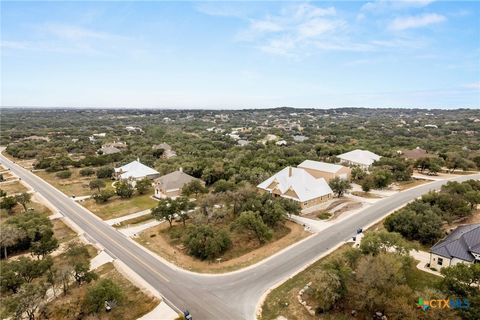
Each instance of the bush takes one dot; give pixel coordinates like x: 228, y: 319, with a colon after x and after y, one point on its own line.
x: 204, y: 242
x: 103, y: 290
x: 64, y: 174
x: 104, y: 172
x: 103, y: 196
x: 86, y: 172
x: 124, y: 190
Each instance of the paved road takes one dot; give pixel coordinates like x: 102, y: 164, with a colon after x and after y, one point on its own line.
x: 229, y: 296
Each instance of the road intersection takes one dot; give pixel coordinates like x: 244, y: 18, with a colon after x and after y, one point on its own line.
x: 233, y: 295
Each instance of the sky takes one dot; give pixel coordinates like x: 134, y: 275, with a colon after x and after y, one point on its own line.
x: 157, y: 54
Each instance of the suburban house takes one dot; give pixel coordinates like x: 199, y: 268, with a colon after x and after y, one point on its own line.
x: 167, y: 150
x: 299, y: 185
x: 170, y: 185
x: 135, y: 171
x: 108, y: 150
x: 415, y: 154
x: 325, y: 170
x: 462, y: 245
x: 361, y: 158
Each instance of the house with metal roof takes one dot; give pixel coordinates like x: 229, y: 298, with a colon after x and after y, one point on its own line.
x: 361, y: 158
x: 170, y: 185
x: 298, y: 185
x: 325, y: 170
x: 462, y: 245
x: 134, y: 171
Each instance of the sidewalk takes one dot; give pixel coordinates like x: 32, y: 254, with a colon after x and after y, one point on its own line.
x: 136, y: 229
x: 111, y: 222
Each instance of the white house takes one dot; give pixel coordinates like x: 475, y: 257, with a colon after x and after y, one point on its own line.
x: 298, y: 185
x: 325, y: 170
x: 361, y: 158
x: 462, y: 245
x: 134, y: 171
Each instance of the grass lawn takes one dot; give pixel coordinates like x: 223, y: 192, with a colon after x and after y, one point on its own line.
x: 243, y: 252
x: 18, y: 209
x: 134, y: 221
x: 135, y: 303
x: 117, y: 207
x: 13, y: 187
x: 75, y: 185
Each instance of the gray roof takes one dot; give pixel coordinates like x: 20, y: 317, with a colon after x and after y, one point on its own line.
x: 174, y: 180
x: 109, y: 150
x: 460, y: 243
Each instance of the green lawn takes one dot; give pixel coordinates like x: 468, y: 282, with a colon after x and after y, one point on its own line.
x: 117, y: 207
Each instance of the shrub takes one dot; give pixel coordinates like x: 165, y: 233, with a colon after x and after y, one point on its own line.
x: 86, y: 172
x: 104, y: 172
x: 64, y: 174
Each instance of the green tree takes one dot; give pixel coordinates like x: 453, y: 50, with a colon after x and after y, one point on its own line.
x: 27, y: 301
x: 104, y: 172
x: 79, y: 260
x: 96, y: 184
x: 103, y: 290
x: 381, y: 241
x: 339, y: 186
x: 45, y: 245
x: 205, y: 242
x: 326, y: 286
x: 165, y: 210
x: 103, y: 196
x: 195, y: 187
x: 184, y: 205
x: 251, y: 223
x: 65, y: 174
x: 9, y: 279
x: 29, y: 269
x: 123, y: 189
x: 143, y: 186
x: 85, y: 172
x: 24, y: 199
x: 367, y: 183
x: 8, y: 203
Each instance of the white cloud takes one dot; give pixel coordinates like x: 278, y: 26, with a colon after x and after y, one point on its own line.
x: 74, y: 33
x: 474, y: 85
x: 265, y: 26
x: 410, y: 22
x: 315, y: 27
x: 381, y: 6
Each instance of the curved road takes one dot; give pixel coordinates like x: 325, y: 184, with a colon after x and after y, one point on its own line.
x: 227, y: 296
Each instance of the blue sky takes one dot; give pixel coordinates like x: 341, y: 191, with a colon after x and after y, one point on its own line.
x: 416, y: 53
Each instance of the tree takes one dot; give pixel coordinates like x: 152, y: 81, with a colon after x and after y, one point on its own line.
x: 29, y: 269
x: 461, y: 279
x: 367, y: 183
x: 65, y: 174
x: 97, y: 184
x: 123, y: 189
x: 103, y: 290
x: 165, y: 209
x: 143, y: 186
x: 381, y: 178
x: 358, y: 173
x: 45, y: 245
x: 381, y: 241
x: 252, y: 223
x: 85, y: 172
x: 339, y: 186
x: 223, y: 185
x: 8, y: 203
x: 9, y: 236
x: 205, y: 242
x: 9, y: 279
x: 193, y: 187
x: 184, y: 205
x: 326, y: 286
x: 103, y: 196
x: 27, y: 301
x: 33, y: 224
x: 472, y: 197
x: 79, y: 260
x: 104, y: 172
x: 24, y: 199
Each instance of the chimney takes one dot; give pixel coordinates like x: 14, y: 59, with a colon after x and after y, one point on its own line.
x: 289, y: 171
x: 138, y: 159
x: 181, y: 169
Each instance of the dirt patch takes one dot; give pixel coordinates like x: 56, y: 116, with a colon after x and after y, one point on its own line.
x: 13, y: 187
x: 62, y: 232
x: 367, y: 195
x: 161, y: 245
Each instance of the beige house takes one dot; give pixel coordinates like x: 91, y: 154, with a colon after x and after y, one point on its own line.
x: 325, y: 170
x: 170, y: 185
x: 462, y: 245
x: 298, y: 185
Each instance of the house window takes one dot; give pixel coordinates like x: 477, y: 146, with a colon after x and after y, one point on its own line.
x: 440, y: 261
